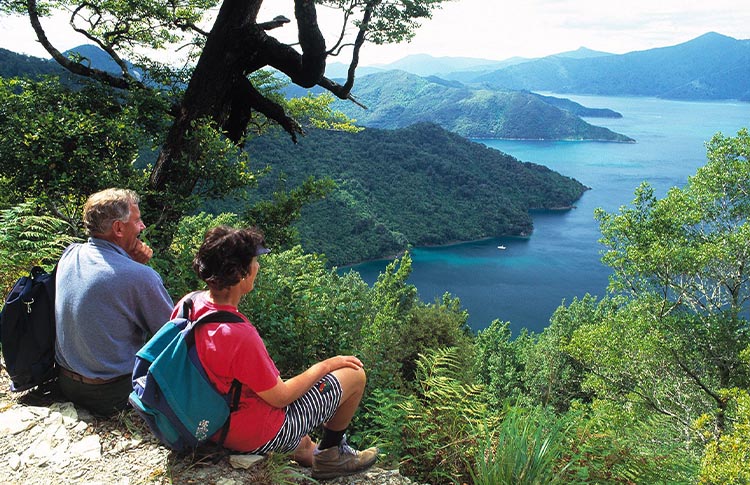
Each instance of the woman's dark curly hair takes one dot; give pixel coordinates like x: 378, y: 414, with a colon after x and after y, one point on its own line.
x: 225, y: 255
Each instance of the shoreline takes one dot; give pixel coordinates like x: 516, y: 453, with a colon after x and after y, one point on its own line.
x: 522, y: 235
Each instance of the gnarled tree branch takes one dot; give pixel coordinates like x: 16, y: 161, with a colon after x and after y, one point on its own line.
x: 74, y: 67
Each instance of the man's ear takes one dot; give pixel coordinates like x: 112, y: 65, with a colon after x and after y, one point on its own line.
x: 117, y: 227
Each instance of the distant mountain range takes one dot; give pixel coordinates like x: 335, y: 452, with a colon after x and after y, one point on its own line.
x: 448, y: 67
x: 710, y: 67
x: 398, y: 99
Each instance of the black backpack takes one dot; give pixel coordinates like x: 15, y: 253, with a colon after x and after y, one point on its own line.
x: 27, y: 330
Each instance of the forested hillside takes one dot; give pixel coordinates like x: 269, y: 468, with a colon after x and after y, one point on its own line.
x: 396, y: 99
x: 419, y: 185
x: 15, y: 65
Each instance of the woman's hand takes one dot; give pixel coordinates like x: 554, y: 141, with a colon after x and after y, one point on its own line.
x: 284, y: 392
x: 341, y: 361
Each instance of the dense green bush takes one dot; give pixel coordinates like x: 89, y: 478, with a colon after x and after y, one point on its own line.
x: 524, y: 448
x: 498, y: 364
x: 439, y: 434
x: 306, y: 312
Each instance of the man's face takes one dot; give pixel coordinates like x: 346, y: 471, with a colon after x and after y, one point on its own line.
x: 131, y: 229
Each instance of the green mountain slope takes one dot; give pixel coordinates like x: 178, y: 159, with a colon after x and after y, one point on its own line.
x: 19, y: 65
x: 712, y: 66
x: 396, y: 99
x: 420, y: 185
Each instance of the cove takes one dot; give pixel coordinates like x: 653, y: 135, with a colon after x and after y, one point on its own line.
x: 525, y: 282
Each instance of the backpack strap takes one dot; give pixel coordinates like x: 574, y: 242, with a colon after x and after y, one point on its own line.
x: 187, y: 305
x: 220, y: 316
x: 234, y: 391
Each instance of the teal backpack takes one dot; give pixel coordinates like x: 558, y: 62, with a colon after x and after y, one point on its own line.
x: 171, y: 390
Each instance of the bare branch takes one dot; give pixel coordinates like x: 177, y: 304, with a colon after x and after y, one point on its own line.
x: 105, y: 47
x: 244, y: 99
x: 358, y: 42
x: 277, y: 22
x: 74, y: 67
x: 339, y: 91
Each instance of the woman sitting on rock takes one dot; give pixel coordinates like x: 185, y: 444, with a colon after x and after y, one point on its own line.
x: 273, y: 414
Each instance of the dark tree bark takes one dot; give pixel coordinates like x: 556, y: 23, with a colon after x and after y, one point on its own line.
x: 219, y: 89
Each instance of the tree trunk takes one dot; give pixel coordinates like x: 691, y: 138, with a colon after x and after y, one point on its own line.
x: 220, y: 92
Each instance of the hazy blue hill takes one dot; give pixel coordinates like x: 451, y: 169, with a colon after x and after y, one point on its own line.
x: 396, y: 99
x: 94, y: 57
x: 97, y: 58
x: 13, y: 64
x: 582, y: 53
x: 426, y: 65
x: 712, y: 66
x: 456, y: 68
x: 338, y: 70
x: 419, y: 185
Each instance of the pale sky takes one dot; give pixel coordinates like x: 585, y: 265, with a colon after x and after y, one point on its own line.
x: 494, y: 29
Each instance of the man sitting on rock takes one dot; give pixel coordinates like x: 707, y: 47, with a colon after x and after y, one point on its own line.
x: 107, y: 303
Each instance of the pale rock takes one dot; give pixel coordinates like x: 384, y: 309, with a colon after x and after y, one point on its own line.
x: 68, y: 412
x: 225, y: 481
x: 244, y: 461
x: 39, y: 453
x: 78, y: 473
x: 80, y: 427
x: 124, y: 445
x: 54, y: 419
x: 14, y: 461
x: 14, y: 421
x: 61, y: 465
x: 90, y: 447
x: 40, y: 411
x: 56, y: 432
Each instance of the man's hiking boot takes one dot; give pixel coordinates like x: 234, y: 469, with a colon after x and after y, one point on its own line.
x: 341, y: 460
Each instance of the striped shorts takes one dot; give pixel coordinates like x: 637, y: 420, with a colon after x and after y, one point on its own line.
x: 312, y: 409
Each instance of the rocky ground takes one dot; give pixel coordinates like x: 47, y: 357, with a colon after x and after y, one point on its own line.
x: 45, y: 440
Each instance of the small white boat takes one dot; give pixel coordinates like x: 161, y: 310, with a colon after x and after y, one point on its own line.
x: 501, y: 247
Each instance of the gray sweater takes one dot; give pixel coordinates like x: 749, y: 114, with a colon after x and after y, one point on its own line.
x: 106, y: 307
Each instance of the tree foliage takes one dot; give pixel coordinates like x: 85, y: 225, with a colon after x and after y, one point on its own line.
x: 59, y: 145
x: 683, y: 262
x: 220, y: 92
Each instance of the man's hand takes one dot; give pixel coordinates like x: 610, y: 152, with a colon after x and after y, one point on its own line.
x: 141, y: 252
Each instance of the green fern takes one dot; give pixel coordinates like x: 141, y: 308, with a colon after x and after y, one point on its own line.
x: 29, y: 238
x: 441, y: 418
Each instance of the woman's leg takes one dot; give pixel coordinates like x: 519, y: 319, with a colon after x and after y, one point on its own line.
x: 353, y: 387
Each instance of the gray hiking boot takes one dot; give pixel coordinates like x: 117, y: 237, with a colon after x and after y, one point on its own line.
x: 341, y: 460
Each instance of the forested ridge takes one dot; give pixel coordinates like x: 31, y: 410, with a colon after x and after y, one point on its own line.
x: 415, y: 186
x: 711, y: 66
x: 396, y: 99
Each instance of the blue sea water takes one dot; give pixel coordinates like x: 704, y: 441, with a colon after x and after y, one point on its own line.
x: 528, y: 280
